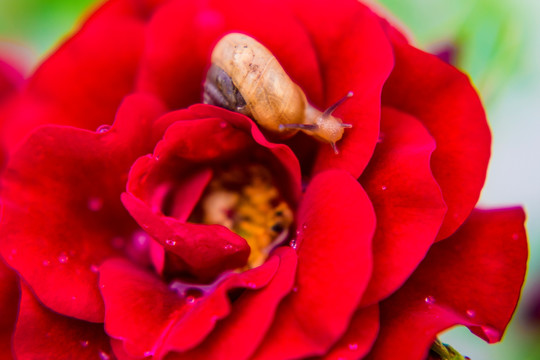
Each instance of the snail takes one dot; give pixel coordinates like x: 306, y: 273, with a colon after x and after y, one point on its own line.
x: 245, y: 77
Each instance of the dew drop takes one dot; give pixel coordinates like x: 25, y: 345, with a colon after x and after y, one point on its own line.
x: 148, y: 353
x: 295, y: 289
x: 383, y: 187
x: 63, y: 258
x: 190, y: 299
x: 228, y: 247
x: 223, y: 124
x: 84, y: 343
x: 94, y: 268
x: 251, y: 285
x: 95, y: 204
x: 429, y: 300
x: 104, y: 356
x: 45, y: 262
x: 103, y: 129
x: 170, y: 242
x: 353, y: 346
x: 470, y: 313
x: 293, y: 244
x: 140, y: 239
x: 304, y: 227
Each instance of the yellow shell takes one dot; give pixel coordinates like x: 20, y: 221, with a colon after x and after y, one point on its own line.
x: 267, y: 89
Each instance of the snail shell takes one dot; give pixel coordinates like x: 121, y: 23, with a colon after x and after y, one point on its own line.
x: 246, y: 77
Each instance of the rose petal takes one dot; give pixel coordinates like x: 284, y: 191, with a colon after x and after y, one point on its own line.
x: 84, y: 81
x: 284, y: 160
x: 336, y: 225
x: 10, y: 80
x: 473, y: 278
x: 251, y: 316
x: 43, y: 334
x: 153, y: 319
x: 355, y: 55
x: 9, y: 305
x: 448, y: 106
x: 207, y: 250
x: 407, y: 202
x: 61, y: 195
x: 359, y: 337
x: 175, y: 61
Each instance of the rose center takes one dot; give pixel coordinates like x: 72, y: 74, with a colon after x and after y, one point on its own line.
x: 246, y: 200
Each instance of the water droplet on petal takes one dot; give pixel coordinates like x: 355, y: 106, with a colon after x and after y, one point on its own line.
x: 470, y: 313
x: 383, y: 187
x: 170, y: 242
x: 46, y: 262
x: 251, y: 285
x: 148, y: 353
x: 95, y: 204
x: 293, y: 244
x: 103, y: 129
x: 429, y: 300
x: 304, y: 227
x: 104, y: 356
x: 190, y: 299
x: 63, y: 258
x: 94, y: 268
x: 295, y: 289
x: 228, y: 247
x: 353, y: 346
x: 223, y: 124
x: 84, y: 343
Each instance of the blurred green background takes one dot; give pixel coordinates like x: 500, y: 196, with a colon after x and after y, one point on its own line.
x: 497, y: 42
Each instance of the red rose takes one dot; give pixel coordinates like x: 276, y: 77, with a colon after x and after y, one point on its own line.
x: 186, y: 231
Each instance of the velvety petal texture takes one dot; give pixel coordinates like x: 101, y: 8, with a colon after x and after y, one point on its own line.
x: 176, y: 321
x: 444, y: 100
x: 251, y: 316
x: 43, y: 334
x: 9, y: 307
x: 406, y: 198
x: 472, y: 278
x: 111, y: 169
x: 334, y: 267
x: 61, y: 208
x: 355, y: 55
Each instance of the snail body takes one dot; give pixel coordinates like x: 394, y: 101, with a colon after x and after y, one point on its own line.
x: 246, y: 77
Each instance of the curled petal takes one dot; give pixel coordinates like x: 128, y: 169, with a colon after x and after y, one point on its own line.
x: 355, y: 55
x: 181, y: 86
x: 207, y: 250
x: 61, y: 208
x: 473, y: 278
x: 407, y: 202
x: 251, y: 316
x: 336, y: 226
x: 84, y: 81
x: 152, y: 318
x: 359, y: 337
x: 444, y: 100
x: 44, y: 334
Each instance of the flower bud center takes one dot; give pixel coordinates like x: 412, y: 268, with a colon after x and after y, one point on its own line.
x: 246, y: 200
